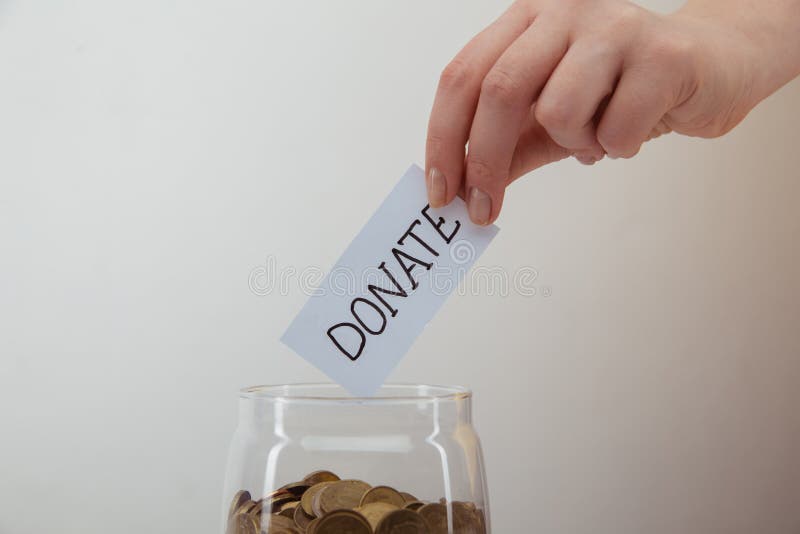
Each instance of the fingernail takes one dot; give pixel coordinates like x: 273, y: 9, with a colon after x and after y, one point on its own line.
x: 586, y: 160
x: 480, y: 206
x: 437, y: 188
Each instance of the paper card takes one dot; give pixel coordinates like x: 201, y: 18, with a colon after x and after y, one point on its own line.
x: 387, y: 286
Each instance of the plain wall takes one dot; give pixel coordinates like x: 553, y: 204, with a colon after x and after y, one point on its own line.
x: 154, y: 154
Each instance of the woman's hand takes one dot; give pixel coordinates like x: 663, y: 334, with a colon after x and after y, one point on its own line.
x: 556, y: 78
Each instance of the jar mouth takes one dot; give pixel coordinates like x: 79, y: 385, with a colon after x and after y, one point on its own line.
x: 334, y: 393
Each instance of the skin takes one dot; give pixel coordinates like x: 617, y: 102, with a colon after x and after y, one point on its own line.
x: 551, y: 79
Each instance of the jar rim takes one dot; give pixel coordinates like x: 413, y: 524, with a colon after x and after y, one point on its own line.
x: 327, y: 392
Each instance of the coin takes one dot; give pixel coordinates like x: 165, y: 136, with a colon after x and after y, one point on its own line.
x: 301, y: 518
x: 312, y: 527
x: 242, y: 524
x: 307, y: 499
x: 288, y: 511
x: 482, y: 521
x: 290, y: 506
x: 257, y: 512
x: 320, y: 476
x: 402, y: 522
x: 383, y: 494
x: 239, y: 499
x: 344, y: 494
x: 278, y: 522
x: 408, y: 497
x: 343, y: 522
x: 281, y: 500
x: 375, y: 511
x: 465, y: 518
x: 435, y: 515
x: 295, y: 488
x: 321, y: 503
x: 247, y: 507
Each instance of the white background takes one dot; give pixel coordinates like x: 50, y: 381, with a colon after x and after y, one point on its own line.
x: 153, y: 153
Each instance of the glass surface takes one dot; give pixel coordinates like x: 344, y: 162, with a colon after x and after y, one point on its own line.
x: 416, y: 439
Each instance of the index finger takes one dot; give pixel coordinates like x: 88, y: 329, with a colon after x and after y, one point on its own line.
x: 457, y: 98
x: 508, y: 91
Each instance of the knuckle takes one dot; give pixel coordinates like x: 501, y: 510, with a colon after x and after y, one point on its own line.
x: 524, y: 9
x: 456, y: 74
x: 478, y: 170
x: 434, y: 143
x: 500, y: 86
x: 567, y: 6
x: 599, y: 49
x: 554, y: 114
x: 616, y: 141
x: 673, y: 51
x: 626, y: 19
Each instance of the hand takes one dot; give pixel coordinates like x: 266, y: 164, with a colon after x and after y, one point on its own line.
x: 585, y: 78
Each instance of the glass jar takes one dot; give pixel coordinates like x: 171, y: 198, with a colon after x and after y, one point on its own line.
x: 408, y: 451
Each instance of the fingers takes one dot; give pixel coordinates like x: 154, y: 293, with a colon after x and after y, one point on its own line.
x: 662, y: 128
x: 641, y: 100
x: 456, y: 100
x: 535, y: 148
x: 507, y: 92
x: 569, y: 102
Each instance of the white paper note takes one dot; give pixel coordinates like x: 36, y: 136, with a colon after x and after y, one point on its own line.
x: 387, y: 286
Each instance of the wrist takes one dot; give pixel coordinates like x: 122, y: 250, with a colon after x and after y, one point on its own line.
x: 730, y: 67
x: 760, y: 38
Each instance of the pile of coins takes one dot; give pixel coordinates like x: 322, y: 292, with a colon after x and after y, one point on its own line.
x: 322, y: 503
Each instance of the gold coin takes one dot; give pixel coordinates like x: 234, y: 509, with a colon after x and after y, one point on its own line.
x: 242, y: 524
x: 239, y: 499
x: 482, y: 521
x: 320, y: 476
x: 247, y: 507
x: 323, y: 504
x: 343, y: 522
x: 288, y: 512
x: 301, y: 518
x: 280, y: 492
x: 316, y: 506
x: 312, y: 527
x: 408, y: 497
x: 307, y: 499
x: 290, y: 506
x: 465, y: 518
x: 273, y: 493
x: 341, y: 495
x: 279, y: 522
x: 435, y: 515
x: 254, y: 510
x: 402, y: 522
x: 383, y: 494
x: 295, y: 488
x: 281, y: 500
x: 375, y: 511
